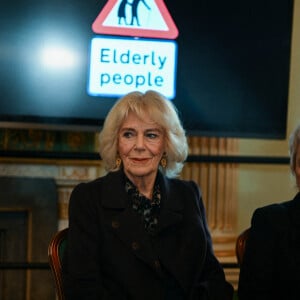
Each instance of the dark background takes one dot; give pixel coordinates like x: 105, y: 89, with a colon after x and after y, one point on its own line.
x: 232, y: 70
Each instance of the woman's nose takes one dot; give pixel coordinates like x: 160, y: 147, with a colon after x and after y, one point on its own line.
x: 140, y: 142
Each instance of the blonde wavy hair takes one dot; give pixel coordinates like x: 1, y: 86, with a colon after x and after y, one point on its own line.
x: 162, y: 111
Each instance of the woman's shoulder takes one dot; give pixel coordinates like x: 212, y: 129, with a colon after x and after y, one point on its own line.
x: 86, y: 185
x: 187, y: 190
x: 106, y: 181
x: 179, y: 181
x: 187, y: 185
x: 91, y: 192
x: 110, y: 176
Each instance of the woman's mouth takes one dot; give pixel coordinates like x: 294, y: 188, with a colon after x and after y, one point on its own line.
x: 140, y: 160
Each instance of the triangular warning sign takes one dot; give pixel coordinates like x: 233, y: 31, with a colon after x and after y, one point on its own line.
x: 136, y: 18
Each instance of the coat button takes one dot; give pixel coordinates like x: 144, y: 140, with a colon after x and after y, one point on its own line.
x: 157, y: 264
x: 135, y: 245
x: 115, y: 224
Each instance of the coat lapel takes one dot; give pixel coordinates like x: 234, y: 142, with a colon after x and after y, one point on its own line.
x: 171, y: 207
x: 123, y: 220
x: 177, y: 245
x: 127, y: 226
x: 117, y: 200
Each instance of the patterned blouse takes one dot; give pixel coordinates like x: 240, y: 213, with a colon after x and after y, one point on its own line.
x: 146, y: 208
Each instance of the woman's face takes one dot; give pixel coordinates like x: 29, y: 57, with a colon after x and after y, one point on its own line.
x: 297, y: 167
x: 141, y: 146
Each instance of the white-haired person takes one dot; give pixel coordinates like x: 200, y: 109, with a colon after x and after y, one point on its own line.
x: 271, y: 263
x: 139, y: 232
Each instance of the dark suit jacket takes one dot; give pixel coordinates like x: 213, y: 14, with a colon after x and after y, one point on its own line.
x: 110, y: 256
x: 271, y: 266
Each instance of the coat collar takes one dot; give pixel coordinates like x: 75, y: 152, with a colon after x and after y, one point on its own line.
x: 120, y: 214
x: 116, y: 198
x: 127, y: 226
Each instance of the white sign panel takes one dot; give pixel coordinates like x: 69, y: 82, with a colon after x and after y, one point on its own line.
x: 119, y: 66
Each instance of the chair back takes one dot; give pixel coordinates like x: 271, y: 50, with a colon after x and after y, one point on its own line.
x: 56, y: 249
x: 241, y: 245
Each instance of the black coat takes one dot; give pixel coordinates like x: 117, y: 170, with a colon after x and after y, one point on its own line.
x: 110, y: 255
x: 271, y: 266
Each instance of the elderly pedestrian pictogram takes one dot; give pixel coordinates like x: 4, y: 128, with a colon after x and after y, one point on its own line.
x: 138, y: 18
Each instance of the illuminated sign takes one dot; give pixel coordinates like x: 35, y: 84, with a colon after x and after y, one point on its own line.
x: 120, y: 65
x: 136, y: 18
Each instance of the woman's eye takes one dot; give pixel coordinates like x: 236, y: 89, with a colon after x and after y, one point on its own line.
x: 152, y: 135
x: 127, y: 134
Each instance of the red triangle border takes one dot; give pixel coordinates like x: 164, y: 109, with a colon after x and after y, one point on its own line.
x: 171, y: 33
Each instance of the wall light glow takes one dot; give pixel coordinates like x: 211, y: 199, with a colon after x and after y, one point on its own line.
x: 54, y: 57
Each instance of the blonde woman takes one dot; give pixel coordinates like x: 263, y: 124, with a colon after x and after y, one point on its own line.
x: 140, y: 233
